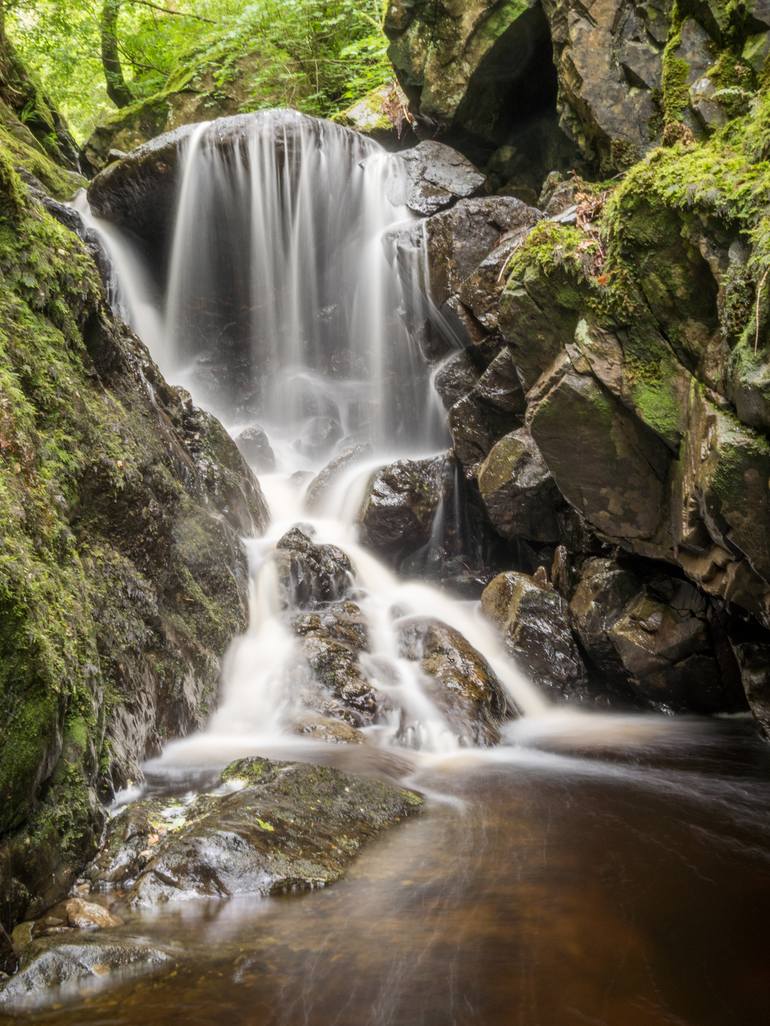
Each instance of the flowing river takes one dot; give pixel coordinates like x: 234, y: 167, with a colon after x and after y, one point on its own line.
x: 590, y: 869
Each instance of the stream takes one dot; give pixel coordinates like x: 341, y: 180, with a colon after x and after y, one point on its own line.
x: 597, y: 869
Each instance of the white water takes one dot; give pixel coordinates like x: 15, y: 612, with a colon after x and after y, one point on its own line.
x: 283, y: 308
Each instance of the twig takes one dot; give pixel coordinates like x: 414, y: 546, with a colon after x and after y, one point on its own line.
x: 167, y: 10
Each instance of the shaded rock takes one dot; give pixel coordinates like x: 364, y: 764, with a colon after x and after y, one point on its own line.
x: 651, y: 640
x: 397, y: 514
x: 61, y: 968
x: 753, y: 658
x: 534, y: 622
x: 323, y: 484
x: 333, y: 640
x: 605, y: 463
x: 254, y: 446
x: 290, y: 827
x: 310, y: 575
x: 485, y: 414
x: 459, y: 679
x: 518, y: 491
x: 435, y: 177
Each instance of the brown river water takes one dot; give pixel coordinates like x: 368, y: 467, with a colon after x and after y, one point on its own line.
x: 575, y: 880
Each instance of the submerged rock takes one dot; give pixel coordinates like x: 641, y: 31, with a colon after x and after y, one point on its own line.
x: 54, y: 968
x: 310, y: 575
x: 534, y: 621
x: 289, y: 827
x: 323, y: 483
x: 458, y: 679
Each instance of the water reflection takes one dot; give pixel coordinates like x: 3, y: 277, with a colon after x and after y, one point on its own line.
x: 627, y: 888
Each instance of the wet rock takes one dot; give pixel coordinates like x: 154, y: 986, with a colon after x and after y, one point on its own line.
x: 486, y: 413
x: 333, y: 640
x: 518, y: 491
x: 397, y: 514
x: 534, y: 622
x: 460, y: 239
x: 435, y: 177
x: 290, y: 827
x: 651, y: 641
x: 254, y: 446
x: 334, y: 732
x: 310, y: 575
x: 319, y: 436
x: 456, y: 377
x: 458, y: 679
x: 62, y: 968
x: 321, y: 486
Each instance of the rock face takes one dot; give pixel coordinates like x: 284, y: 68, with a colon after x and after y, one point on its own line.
x: 653, y: 642
x: 493, y: 74
x: 124, y: 580
x: 266, y: 837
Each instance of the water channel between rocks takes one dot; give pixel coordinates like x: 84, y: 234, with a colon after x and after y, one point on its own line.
x: 590, y: 868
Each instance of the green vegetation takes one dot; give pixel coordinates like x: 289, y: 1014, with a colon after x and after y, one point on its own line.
x: 316, y: 55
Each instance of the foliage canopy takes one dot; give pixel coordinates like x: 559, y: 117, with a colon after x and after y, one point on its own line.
x: 316, y: 55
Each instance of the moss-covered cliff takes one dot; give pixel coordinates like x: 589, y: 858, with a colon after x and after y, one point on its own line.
x: 121, y: 572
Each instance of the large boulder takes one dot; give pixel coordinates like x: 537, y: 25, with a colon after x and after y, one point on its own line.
x: 458, y: 679
x: 264, y: 837
x: 535, y: 625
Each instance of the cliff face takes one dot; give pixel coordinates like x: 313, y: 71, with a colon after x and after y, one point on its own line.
x: 121, y: 572
x: 635, y: 315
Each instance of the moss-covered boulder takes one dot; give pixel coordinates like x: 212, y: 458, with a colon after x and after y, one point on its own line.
x: 279, y: 828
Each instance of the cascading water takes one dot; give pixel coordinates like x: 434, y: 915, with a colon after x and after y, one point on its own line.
x: 284, y: 308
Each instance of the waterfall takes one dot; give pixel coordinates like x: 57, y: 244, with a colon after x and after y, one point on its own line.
x: 284, y: 306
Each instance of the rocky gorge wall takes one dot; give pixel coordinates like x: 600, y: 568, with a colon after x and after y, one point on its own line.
x: 612, y: 389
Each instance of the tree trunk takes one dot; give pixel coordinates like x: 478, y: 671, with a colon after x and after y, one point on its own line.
x: 117, y: 88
